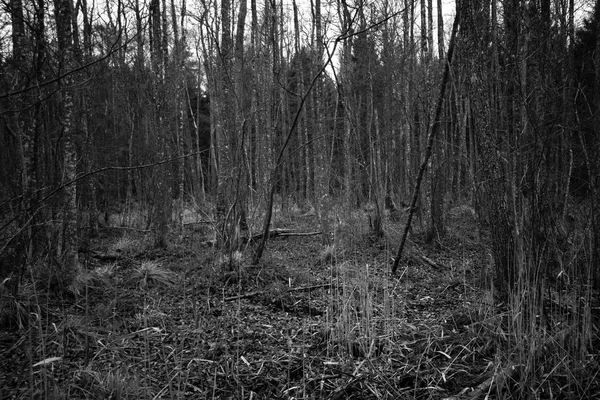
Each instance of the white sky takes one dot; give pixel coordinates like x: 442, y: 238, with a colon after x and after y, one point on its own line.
x: 329, y: 15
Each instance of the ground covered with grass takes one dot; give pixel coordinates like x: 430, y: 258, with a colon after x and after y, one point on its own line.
x: 308, y: 322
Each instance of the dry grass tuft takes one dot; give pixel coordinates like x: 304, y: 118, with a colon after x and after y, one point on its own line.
x: 129, y: 245
x: 105, y: 272
x: 14, y: 311
x: 97, y: 279
x: 329, y: 255
x: 152, y: 273
x: 115, y: 384
x: 356, y: 312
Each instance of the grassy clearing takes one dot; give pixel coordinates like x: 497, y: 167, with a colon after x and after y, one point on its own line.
x: 310, y: 321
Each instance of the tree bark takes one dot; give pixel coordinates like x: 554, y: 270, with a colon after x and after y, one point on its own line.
x: 440, y: 30
x: 162, y: 183
x: 70, y: 259
x: 424, y: 33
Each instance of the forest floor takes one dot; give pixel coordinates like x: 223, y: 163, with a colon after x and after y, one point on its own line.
x: 308, y: 322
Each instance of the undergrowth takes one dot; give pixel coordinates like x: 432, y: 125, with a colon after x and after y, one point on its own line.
x: 310, y: 321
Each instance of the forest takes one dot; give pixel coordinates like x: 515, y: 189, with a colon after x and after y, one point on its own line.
x: 293, y: 199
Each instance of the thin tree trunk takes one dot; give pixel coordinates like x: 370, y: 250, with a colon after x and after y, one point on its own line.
x: 85, y: 56
x: 180, y: 109
x: 70, y: 260
x: 440, y: 30
x: 434, y: 131
x: 24, y: 139
x: 222, y: 97
x: 345, y: 93
x: 430, y: 27
x: 424, y: 34
x: 594, y: 178
x: 242, y: 179
x: 319, y: 144
x: 162, y: 184
x: 275, y: 171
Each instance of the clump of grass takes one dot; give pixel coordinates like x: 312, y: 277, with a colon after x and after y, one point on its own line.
x: 351, y: 228
x: 98, y: 279
x: 133, y: 216
x: 105, y: 272
x: 296, y: 209
x: 62, y: 335
x: 354, y: 311
x: 550, y: 331
x: 137, y: 219
x: 13, y: 311
x: 271, y: 270
x: 190, y: 215
x: 229, y: 260
x: 150, y: 316
x: 50, y: 276
x: 277, y: 293
x: 328, y: 255
x: 128, y: 245
x: 115, y: 384
x: 152, y: 273
x: 232, y: 267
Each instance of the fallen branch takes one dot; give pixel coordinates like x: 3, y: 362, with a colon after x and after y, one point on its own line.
x: 107, y: 257
x: 483, y: 390
x: 197, y: 223
x: 127, y: 228
x: 500, y: 378
x: 279, y: 232
x: 301, y: 233
x: 349, y: 389
x: 259, y: 292
x: 272, y: 234
x: 430, y: 262
x: 309, y: 288
x: 324, y: 378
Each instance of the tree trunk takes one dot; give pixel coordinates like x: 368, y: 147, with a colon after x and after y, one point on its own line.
x: 430, y: 141
x: 345, y: 73
x: 70, y: 260
x: 424, y: 33
x: 596, y: 166
x: 440, y: 30
x: 430, y: 27
x: 162, y: 184
x: 24, y: 138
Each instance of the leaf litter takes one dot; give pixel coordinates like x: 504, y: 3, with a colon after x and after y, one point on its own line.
x: 179, y: 324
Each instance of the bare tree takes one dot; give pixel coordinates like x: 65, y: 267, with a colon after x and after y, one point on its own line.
x: 440, y: 30
x: 430, y: 141
x: 162, y: 186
